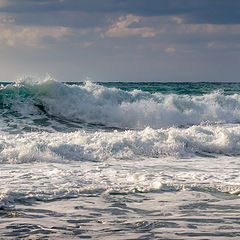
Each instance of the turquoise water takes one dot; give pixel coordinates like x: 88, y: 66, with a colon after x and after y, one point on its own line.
x: 182, y: 88
x: 119, y: 160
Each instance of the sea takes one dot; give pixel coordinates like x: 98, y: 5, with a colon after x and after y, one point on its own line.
x: 119, y: 160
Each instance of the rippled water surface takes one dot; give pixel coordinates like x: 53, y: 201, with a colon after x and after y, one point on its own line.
x: 156, y: 215
x: 118, y: 201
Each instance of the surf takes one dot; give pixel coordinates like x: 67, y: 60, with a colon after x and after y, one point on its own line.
x: 112, y: 107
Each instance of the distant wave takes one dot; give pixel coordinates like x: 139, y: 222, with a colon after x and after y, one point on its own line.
x: 112, y: 107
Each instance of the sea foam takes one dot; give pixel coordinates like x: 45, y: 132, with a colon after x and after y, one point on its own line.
x: 206, y: 141
x: 148, y: 125
x: 111, y: 107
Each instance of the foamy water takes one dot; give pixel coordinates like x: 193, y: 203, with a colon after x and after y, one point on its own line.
x: 119, y: 161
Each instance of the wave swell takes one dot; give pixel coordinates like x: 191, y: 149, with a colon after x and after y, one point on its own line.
x: 111, y: 107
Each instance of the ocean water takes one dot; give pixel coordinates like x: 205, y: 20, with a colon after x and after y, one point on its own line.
x: 119, y: 160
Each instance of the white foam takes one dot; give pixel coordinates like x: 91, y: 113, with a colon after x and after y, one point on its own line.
x: 137, y: 110
x: 51, y: 165
x: 51, y: 181
x: 112, y: 107
x: 130, y: 144
x: 48, y: 166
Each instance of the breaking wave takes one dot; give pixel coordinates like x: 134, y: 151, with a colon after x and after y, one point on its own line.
x: 203, y: 141
x: 95, y: 104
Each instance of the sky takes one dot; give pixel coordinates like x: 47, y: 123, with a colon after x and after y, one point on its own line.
x: 121, y: 40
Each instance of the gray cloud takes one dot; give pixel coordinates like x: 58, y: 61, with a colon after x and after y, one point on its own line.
x: 87, y: 13
x: 99, y: 44
x: 61, y: 18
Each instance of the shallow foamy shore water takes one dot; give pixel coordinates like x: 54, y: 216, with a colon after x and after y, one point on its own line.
x: 146, y: 199
x: 167, y: 215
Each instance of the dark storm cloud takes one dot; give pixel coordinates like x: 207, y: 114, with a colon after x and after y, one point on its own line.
x: 86, y: 13
x: 215, y: 12
x: 60, y: 13
x: 193, y: 11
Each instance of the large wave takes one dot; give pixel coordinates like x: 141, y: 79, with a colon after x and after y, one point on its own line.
x: 111, y: 107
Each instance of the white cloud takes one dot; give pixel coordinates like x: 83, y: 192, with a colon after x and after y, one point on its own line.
x: 30, y: 36
x: 210, y: 44
x: 87, y: 44
x: 6, y: 19
x: 170, y: 50
x: 122, y: 28
x: 177, y: 20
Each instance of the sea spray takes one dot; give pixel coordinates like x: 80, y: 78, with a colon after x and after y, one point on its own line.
x: 208, y: 141
x: 112, y: 107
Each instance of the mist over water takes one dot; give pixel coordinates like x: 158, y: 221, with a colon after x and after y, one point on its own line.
x: 105, y: 151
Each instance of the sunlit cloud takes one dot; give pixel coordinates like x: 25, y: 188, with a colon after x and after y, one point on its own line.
x: 87, y: 44
x: 123, y: 28
x: 210, y: 44
x: 170, y: 50
x: 178, y: 20
x: 4, y: 19
x: 30, y: 36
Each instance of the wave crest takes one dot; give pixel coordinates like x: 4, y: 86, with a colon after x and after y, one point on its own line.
x: 205, y: 141
x: 112, y: 107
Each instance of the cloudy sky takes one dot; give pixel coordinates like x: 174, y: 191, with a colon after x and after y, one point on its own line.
x: 121, y: 40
